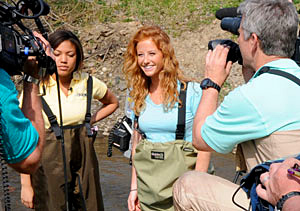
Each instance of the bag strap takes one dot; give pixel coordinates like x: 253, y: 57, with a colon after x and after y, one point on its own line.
x: 280, y: 73
x: 180, y: 130
x: 88, y: 115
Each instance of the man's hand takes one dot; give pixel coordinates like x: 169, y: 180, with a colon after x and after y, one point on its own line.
x: 216, y: 67
x: 278, y: 182
x: 31, y: 65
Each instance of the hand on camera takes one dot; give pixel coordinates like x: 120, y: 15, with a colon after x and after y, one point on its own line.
x: 31, y: 66
x: 278, y: 182
x: 216, y: 67
x: 46, y: 44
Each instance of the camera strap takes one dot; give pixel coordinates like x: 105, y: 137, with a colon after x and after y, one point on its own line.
x: 53, y: 120
x: 280, y: 73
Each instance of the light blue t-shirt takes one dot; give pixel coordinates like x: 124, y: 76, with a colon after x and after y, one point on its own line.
x: 160, y: 126
x: 19, y: 136
x: 267, y: 103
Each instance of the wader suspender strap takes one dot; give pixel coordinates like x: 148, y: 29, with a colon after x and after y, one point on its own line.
x: 280, y: 73
x: 180, y: 130
x: 88, y: 107
x: 52, y: 118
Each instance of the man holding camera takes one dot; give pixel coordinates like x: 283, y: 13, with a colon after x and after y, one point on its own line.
x: 22, y: 129
x: 263, y: 115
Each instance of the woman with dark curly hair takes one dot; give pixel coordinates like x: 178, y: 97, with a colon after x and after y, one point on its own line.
x: 162, y: 141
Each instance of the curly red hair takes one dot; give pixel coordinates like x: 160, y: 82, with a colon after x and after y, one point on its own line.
x: 138, y: 83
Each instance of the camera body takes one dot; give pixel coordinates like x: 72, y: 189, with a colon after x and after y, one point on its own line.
x: 230, y: 24
x: 16, y: 47
x: 120, y: 135
x: 234, y: 53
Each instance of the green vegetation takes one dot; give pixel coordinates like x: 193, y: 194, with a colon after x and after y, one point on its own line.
x: 173, y: 15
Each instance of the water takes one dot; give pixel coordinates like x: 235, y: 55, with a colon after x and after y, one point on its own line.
x: 115, y: 177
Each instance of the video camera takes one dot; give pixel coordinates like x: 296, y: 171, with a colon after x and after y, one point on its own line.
x: 230, y: 21
x: 16, y: 44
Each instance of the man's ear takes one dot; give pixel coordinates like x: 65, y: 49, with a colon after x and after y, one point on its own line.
x: 254, y: 42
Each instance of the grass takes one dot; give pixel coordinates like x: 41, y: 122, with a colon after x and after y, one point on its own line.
x: 173, y: 15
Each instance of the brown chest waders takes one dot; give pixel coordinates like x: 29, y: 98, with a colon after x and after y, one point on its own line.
x: 84, y: 191
x: 158, y: 165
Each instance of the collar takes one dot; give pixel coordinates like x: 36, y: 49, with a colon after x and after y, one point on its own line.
x: 77, y: 76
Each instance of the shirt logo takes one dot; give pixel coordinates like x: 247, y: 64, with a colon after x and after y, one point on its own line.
x: 157, y: 155
x: 81, y: 94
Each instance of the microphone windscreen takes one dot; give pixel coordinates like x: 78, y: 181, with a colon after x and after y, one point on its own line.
x: 227, y: 12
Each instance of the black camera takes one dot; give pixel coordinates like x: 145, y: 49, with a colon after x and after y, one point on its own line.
x: 119, y: 136
x: 230, y: 24
x: 17, y: 42
x: 234, y: 53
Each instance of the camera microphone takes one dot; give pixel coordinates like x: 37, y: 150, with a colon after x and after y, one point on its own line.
x: 227, y: 12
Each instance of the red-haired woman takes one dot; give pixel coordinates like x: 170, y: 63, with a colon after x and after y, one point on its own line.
x: 162, y: 139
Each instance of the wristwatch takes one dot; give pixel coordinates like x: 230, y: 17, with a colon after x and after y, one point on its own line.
x: 30, y: 79
x: 207, y: 83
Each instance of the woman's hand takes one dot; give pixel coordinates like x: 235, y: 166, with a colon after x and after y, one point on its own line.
x: 133, y: 201
x: 27, y: 195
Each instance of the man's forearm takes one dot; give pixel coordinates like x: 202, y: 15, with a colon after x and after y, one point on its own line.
x: 32, y: 109
x: 207, y: 106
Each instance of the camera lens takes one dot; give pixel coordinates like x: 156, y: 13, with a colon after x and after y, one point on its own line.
x: 231, y: 24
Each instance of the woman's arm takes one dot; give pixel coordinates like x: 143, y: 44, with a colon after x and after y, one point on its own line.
x: 203, y: 159
x: 110, y: 104
x: 133, y: 202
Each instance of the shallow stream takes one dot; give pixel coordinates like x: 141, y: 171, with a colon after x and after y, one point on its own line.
x: 115, y: 173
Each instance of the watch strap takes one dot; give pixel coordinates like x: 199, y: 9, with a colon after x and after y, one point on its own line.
x: 30, y: 79
x: 285, y: 197
x: 216, y: 86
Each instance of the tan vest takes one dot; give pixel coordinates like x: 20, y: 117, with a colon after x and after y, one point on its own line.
x: 277, y: 145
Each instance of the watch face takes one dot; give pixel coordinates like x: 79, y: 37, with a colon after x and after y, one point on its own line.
x: 205, y: 83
